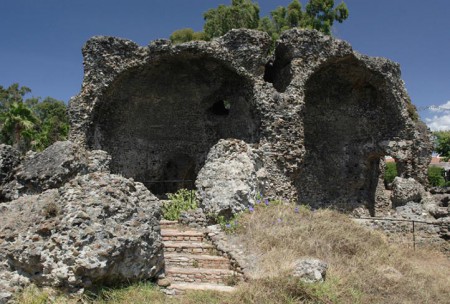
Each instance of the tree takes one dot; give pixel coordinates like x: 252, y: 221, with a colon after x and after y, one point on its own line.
x: 14, y: 93
x: 321, y: 14
x: 318, y: 14
x: 31, y: 123
x: 54, y: 122
x: 241, y: 14
x: 18, y: 126
x: 288, y: 17
x: 442, y: 143
x: 436, y: 176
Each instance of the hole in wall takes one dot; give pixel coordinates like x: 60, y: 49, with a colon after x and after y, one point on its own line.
x: 269, y: 72
x: 221, y: 108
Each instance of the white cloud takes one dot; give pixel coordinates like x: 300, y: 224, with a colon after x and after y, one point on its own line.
x: 439, y: 122
x: 440, y: 108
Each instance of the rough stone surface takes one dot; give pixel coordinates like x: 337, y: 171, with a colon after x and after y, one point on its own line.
x: 320, y: 116
x: 96, y: 229
x: 310, y: 270
x: 248, y: 48
x: 231, y: 179
x: 52, y: 168
x: 9, y: 159
x: 406, y: 190
x: 193, y: 218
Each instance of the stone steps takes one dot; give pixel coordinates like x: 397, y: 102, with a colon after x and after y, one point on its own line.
x: 199, y: 275
x: 167, y: 224
x: 180, y: 288
x: 192, y: 263
x: 176, y: 235
x: 196, y: 261
x: 188, y: 247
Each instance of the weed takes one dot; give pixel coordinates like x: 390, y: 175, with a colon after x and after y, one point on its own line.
x: 50, y: 209
x: 232, y: 280
x: 229, y: 226
x: 182, y: 200
x: 195, y: 264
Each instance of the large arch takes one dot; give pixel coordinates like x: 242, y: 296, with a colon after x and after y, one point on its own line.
x: 160, y: 120
x: 346, y: 117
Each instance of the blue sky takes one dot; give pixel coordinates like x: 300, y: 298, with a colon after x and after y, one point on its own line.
x: 40, y: 41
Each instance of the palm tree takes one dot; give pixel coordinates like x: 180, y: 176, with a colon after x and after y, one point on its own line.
x: 18, y: 125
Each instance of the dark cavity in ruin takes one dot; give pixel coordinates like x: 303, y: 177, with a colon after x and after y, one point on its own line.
x: 346, y: 116
x: 159, y: 121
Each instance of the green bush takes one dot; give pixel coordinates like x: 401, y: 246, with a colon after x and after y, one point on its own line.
x: 390, y: 173
x: 182, y: 200
x: 436, y: 176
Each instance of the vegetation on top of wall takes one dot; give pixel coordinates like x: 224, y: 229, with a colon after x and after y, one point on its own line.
x: 412, y: 110
x: 317, y: 14
x: 31, y: 123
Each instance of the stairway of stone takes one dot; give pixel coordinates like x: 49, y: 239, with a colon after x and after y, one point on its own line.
x: 192, y: 262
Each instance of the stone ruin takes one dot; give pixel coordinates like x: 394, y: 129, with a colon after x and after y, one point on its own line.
x: 310, y: 123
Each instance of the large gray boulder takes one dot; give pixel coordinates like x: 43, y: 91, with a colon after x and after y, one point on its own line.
x: 52, y: 168
x: 406, y: 190
x: 231, y: 179
x: 98, y: 229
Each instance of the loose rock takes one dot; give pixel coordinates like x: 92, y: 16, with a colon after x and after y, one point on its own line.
x: 310, y: 270
x: 97, y: 229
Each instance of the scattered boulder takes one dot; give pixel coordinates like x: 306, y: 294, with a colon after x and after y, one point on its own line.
x: 98, y: 229
x: 412, y: 211
x: 406, y: 190
x: 163, y: 282
x: 231, y: 179
x: 310, y: 270
x: 52, y: 168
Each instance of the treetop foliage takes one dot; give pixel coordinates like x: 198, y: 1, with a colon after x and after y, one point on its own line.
x: 442, y: 143
x: 31, y: 123
x: 317, y: 14
x: 240, y: 14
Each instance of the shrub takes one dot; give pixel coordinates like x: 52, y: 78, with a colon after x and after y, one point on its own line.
x: 390, y: 173
x: 182, y: 200
x: 436, y: 176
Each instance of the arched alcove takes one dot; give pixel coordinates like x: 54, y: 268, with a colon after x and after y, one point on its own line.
x: 346, y: 116
x: 159, y: 121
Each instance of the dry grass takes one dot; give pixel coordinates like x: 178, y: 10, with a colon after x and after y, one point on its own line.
x: 363, y: 267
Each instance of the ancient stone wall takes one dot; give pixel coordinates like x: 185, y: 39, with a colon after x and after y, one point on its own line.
x: 320, y: 116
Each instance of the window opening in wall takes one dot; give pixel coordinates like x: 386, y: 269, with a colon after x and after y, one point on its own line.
x: 269, y: 72
x: 221, y: 108
x: 390, y: 171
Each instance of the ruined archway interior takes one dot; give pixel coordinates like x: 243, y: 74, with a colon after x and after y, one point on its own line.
x: 159, y: 121
x: 346, y: 117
